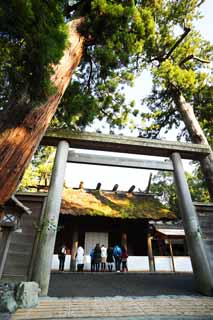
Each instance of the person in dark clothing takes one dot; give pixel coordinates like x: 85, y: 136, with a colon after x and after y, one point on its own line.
x: 110, y: 259
x: 97, y: 257
x: 61, y: 257
x: 92, y: 260
x: 124, y: 256
x: 117, y: 256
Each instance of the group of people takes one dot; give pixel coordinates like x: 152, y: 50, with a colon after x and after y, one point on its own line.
x: 102, y: 258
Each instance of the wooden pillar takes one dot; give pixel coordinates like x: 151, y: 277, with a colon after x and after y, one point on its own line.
x: 74, y: 251
x: 36, y: 243
x: 124, y: 240
x: 150, y: 253
x: 43, y: 260
x: 4, y: 246
x: 171, y: 254
x: 200, y: 263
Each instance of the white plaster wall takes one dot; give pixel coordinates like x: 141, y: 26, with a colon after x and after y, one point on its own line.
x: 135, y: 263
x: 183, y: 264
x: 163, y: 264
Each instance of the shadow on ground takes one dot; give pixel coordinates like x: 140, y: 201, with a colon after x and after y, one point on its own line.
x: 69, y: 284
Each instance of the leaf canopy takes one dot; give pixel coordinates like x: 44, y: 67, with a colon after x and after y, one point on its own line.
x: 33, y: 36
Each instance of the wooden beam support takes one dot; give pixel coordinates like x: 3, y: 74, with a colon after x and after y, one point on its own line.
x: 74, y: 251
x: 95, y: 141
x: 5, y: 238
x: 43, y: 261
x: 197, y: 252
x: 114, y: 161
x: 36, y: 241
x: 150, y: 253
x: 171, y: 254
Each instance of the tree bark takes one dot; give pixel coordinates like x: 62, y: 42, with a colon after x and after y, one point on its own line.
x: 18, y: 144
x: 197, y: 136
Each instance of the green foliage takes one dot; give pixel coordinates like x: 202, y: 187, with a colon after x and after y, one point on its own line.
x: 168, y: 72
x: 197, y: 186
x: 163, y: 186
x: 80, y: 106
x: 33, y: 36
x: 116, y: 33
x: 179, y: 63
x: 121, y: 39
x: 203, y: 105
x: 39, y: 170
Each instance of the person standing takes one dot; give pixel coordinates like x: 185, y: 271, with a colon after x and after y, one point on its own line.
x: 117, y: 256
x: 124, y: 256
x: 110, y: 259
x: 92, y: 260
x: 97, y: 257
x: 62, y: 257
x: 103, y: 258
x: 80, y: 259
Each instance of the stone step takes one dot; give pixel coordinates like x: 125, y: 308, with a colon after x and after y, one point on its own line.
x: 73, y: 308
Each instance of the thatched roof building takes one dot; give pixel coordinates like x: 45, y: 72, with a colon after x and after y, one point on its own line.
x: 81, y: 202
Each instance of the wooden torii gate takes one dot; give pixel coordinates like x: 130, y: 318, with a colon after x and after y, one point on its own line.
x: 174, y: 150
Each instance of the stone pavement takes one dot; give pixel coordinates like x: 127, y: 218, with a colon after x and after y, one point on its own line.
x: 140, y: 308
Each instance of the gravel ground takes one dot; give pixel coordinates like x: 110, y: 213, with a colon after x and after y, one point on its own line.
x: 68, y: 284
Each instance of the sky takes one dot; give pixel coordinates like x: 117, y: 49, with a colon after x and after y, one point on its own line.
x: 109, y: 176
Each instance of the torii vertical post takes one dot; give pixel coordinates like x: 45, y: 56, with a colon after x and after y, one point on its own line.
x: 200, y: 263
x: 150, y: 253
x: 43, y: 261
x: 5, y: 242
x: 74, y: 251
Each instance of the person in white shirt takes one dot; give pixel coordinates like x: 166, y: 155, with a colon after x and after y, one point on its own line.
x: 80, y: 259
x: 103, y: 257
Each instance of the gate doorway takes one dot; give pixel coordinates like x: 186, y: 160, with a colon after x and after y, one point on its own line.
x: 174, y: 151
x: 199, y: 252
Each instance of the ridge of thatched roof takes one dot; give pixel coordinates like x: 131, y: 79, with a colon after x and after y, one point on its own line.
x: 80, y: 202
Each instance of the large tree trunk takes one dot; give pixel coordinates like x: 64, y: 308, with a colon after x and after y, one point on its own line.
x: 19, y: 142
x: 197, y: 136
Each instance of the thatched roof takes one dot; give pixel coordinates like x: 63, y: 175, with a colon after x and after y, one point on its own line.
x: 80, y: 202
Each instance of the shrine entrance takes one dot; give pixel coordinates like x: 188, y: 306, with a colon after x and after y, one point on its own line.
x: 174, y: 151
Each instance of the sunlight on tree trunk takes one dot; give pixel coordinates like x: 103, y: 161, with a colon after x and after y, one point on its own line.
x: 18, y: 144
x: 197, y: 136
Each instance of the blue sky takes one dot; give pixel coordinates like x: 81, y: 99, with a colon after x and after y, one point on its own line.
x: 205, y: 26
x: 109, y: 176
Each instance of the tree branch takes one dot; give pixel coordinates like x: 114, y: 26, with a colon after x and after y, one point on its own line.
x: 191, y: 56
x: 182, y: 37
x: 162, y: 58
x: 91, y: 70
x: 201, y: 2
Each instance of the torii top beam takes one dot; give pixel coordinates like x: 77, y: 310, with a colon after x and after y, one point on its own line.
x: 124, y: 144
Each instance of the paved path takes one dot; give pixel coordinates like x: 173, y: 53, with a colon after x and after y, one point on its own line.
x: 149, y: 308
x: 88, y: 284
x: 132, y: 296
